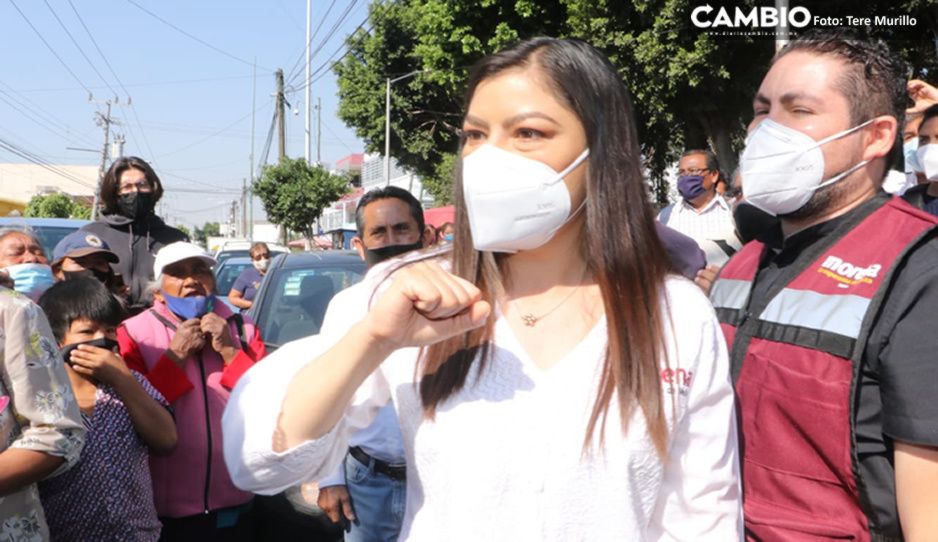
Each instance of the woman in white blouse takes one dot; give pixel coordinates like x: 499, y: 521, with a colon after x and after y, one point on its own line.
x: 553, y: 379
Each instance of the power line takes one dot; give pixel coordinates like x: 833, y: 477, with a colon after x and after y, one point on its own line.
x: 39, y: 161
x: 310, y: 43
x: 198, y: 182
x: 46, y: 43
x: 110, y: 68
x: 44, y: 120
x: 225, y: 129
x: 80, y: 50
x: 190, y: 36
x: 266, y: 152
x: 325, y: 41
x: 150, y: 84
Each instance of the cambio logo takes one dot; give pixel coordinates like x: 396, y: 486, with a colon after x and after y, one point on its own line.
x: 757, y: 17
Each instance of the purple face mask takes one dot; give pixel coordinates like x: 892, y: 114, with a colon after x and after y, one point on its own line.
x: 690, y: 186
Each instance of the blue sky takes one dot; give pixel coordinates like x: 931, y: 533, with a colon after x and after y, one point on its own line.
x: 191, y: 112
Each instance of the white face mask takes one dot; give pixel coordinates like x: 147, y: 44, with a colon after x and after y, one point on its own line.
x: 261, y: 265
x: 514, y: 203
x: 911, y: 158
x: 927, y: 158
x: 782, y: 167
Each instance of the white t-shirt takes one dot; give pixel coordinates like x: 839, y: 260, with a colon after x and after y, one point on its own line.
x: 503, y: 460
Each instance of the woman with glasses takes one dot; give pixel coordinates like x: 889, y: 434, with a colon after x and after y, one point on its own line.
x: 129, y: 193
x: 245, y: 286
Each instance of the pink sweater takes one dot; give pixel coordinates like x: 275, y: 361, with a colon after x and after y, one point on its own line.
x: 192, y: 479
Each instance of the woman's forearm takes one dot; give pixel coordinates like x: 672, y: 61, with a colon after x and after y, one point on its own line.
x: 19, y: 468
x: 319, y: 393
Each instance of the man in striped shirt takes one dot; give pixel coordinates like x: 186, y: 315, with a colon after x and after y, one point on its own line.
x: 701, y: 213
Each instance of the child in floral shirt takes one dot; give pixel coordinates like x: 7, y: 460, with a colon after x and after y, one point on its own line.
x: 108, y: 495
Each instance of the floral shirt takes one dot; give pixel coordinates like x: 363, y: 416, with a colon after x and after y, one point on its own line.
x: 39, y: 409
x: 108, y: 495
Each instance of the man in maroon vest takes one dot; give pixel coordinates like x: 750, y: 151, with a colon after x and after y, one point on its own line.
x: 832, y: 320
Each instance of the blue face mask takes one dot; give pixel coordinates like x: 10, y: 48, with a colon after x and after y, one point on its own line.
x: 31, y: 279
x: 190, y: 307
x: 911, y: 160
x: 448, y: 238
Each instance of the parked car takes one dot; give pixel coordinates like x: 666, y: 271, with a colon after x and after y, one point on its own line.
x: 234, y: 248
x: 296, y: 290
x: 227, y: 272
x: 49, y: 230
x: 290, y: 304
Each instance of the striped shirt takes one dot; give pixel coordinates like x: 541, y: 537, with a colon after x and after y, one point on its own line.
x: 712, y: 227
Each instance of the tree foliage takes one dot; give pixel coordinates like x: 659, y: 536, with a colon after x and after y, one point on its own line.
x: 209, y: 229
x: 689, y: 89
x: 294, y: 193
x: 57, y: 205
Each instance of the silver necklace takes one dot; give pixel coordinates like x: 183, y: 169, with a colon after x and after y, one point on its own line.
x: 530, y: 319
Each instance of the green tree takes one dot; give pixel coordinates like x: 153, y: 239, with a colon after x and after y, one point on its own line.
x: 689, y: 89
x: 57, y: 205
x: 294, y: 193
x: 209, y: 229
x: 184, y: 230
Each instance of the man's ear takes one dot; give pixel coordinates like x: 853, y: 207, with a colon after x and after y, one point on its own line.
x: 359, y: 247
x: 428, y: 239
x: 882, y: 136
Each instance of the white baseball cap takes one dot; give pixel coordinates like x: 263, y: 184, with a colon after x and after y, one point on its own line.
x: 177, y: 252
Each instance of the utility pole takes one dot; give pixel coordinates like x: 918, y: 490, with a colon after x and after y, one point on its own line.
x: 118, y: 147
x: 251, y: 167
x: 307, y: 137
x: 319, y: 131
x: 244, y: 208
x: 281, y: 129
x: 105, y: 122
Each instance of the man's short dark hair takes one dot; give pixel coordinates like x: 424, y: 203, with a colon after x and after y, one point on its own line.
x: 929, y: 114
x: 416, y: 210
x: 874, y: 78
x: 72, y: 300
x: 712, y: 163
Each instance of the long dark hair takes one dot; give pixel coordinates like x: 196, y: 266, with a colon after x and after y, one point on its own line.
x: 620, y: 243
x: 111, y: 182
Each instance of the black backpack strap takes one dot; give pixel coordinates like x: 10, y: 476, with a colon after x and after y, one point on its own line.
x: 239, y: 321
x: 163, y: 320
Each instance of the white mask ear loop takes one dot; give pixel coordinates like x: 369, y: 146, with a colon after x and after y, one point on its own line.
x: 576, y: 162
x: 582, y: 205
x: 839, y: 135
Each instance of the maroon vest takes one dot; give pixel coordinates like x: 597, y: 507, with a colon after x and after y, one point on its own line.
x: 796, y: 363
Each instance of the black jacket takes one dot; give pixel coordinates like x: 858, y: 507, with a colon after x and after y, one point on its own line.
x: 136, y: 244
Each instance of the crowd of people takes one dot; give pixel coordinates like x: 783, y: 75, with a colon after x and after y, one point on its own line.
x: 562, y: 362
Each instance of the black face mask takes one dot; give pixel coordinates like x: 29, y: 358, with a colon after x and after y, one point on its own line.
x: 101, y: 276
x: 751, y: 222
x: 135, y: 205
x: 377, y: 255
x: 103, y: 342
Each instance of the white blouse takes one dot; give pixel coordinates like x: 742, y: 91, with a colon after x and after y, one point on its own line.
x: 503, y: 460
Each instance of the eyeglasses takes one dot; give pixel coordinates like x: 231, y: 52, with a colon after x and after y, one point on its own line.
x: 257, y: 257
x: 142, y: 186
x: 692, y: 171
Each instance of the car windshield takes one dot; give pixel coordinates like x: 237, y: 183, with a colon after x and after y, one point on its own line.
x: 226, y: 274
x: 228, y: 254
x: 295, y: 300
x: 49, y: 236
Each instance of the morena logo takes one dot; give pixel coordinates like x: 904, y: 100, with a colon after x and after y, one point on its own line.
x: 756, y: 17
